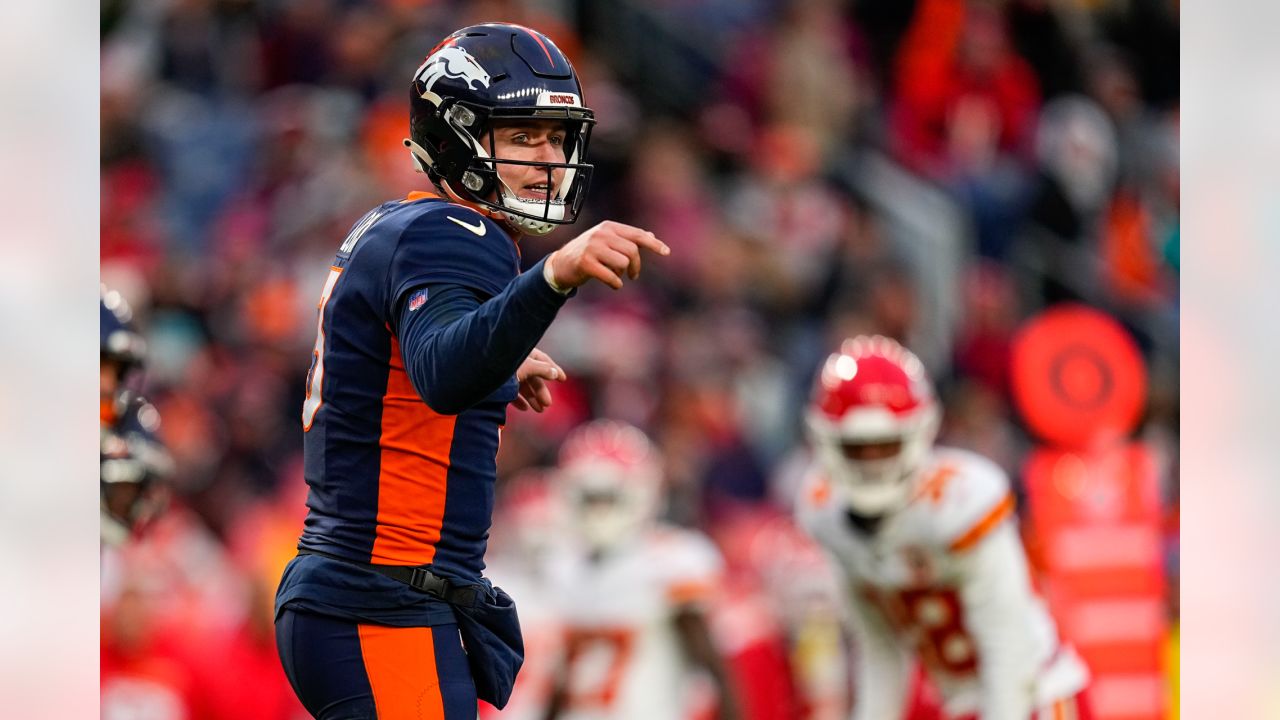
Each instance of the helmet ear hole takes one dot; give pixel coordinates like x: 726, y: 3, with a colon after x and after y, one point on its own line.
x: 472, y: 181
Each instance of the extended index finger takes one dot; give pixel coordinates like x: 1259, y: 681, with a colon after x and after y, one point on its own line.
x: 641, y: 237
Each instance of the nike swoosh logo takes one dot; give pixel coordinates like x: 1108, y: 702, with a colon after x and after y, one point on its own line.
x: 478, y: 228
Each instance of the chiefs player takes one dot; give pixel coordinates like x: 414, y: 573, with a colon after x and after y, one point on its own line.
x: 926, y: 542
x: 632, y: 591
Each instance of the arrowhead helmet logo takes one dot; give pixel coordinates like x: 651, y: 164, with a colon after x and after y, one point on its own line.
x: 452, y: 62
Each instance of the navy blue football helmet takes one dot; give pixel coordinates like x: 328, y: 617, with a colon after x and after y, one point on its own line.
x: 492, y: 72
x: 123, y: 351
x: 120, y: 340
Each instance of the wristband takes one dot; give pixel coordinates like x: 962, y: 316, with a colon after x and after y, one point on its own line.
x: 546, y: 275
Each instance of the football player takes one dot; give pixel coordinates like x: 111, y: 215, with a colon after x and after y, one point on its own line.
x: 632, y: 591
x: 425, y: 333
x: 927, y: 544
x: 133, y: 461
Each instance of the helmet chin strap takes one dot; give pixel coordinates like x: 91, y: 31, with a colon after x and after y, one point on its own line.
x: 554, y: 210
x: 422, y: 161
x: 529, y: 226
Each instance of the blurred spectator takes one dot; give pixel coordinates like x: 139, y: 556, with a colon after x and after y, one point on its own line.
x: 789, y: 213
x: 806, y: 70
x: 961, y: 93
x: 668, y: 192
x: 991, y: 314
x: 1075, y: 145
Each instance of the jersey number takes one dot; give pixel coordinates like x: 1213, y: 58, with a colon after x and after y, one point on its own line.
x: 315, y: 375
x: 935, y: 619
x: 597, y: 663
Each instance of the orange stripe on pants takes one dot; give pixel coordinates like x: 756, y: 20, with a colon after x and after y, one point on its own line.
x: 401, y: 664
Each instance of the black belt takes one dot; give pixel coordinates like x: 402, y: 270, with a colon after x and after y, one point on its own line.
x: 418, y: 577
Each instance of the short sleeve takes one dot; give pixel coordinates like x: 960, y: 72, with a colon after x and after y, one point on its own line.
x: 814, y: 495
x: 692, y: 566
x: 453, y: 245
x: 975, y: 500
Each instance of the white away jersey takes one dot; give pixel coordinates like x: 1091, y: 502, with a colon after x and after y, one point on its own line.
x: 946, y: 579
x: 624, y: 656
x: 522, y: 576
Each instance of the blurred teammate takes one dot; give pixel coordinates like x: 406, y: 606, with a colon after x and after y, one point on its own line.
x: 133, y: 462
x: 425, y: 333
x: 631, y: 590
x: 926, y: 540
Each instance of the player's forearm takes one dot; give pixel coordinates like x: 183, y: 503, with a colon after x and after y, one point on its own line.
x: 880, y: 690
x: 881, y: 670
x: 457, y: 350
x: 555, y: 703
x: 998, y: 603
x: 1007, y: 676
x: 695, y: 637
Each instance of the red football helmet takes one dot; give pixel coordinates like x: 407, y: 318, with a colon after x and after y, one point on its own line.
x: 611, y: 476
x: 872, y: 421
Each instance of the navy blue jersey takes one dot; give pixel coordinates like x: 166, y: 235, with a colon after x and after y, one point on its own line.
x: 423, y: 320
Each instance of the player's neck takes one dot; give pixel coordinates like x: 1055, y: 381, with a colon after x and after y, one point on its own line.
x: 865, y: 524
x: 497, y: 216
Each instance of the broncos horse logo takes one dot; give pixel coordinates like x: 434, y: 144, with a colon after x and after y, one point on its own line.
x: 452, y: 62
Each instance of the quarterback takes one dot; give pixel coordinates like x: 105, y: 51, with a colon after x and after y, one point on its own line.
x: 925, y: 540
x: 425, y: 333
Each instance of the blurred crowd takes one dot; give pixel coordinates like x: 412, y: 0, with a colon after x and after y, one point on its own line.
x: 937, y: 171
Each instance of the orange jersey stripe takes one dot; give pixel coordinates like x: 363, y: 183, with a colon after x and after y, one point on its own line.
x: 985, y: 525
x: 690, y: 591
x: 401, y: 664
x: 937, y: 483
x: 416, y: 443
x: 820, y: 493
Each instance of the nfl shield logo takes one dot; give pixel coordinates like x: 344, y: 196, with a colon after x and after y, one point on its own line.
x: 417, y: 300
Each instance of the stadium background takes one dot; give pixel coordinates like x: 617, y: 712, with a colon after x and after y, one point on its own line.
x: 939, y: 171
